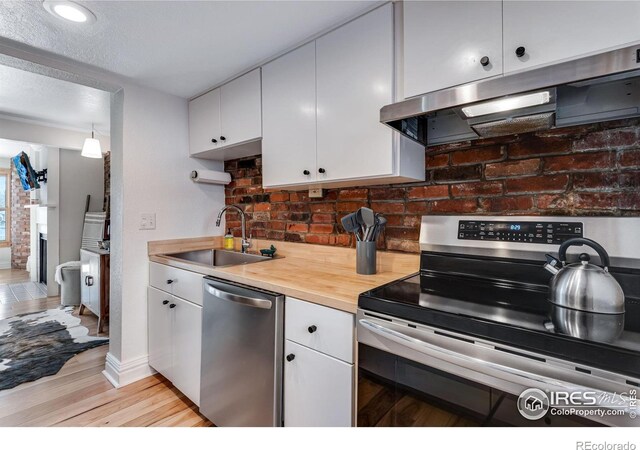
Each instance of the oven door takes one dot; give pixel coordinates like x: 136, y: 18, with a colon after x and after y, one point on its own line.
x: 397, y: 392
x: 414, y: 375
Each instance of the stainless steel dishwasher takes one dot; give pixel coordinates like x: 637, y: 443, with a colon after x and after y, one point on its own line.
x: 242, y: 345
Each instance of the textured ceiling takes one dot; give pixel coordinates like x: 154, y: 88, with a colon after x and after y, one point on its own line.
x: 30, y: 96
x: 180, y: 47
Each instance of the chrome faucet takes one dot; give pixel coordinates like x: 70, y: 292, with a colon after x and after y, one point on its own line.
x: 246, y: 243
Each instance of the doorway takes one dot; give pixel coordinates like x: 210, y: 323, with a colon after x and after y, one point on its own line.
x: 49, y: 185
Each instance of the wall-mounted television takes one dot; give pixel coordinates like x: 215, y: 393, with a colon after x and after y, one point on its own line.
x: 28, y: 176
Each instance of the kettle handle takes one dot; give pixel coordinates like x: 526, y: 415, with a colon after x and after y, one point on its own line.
x: 602, y: 253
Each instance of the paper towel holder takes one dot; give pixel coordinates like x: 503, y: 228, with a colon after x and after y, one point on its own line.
x: 210, y: 177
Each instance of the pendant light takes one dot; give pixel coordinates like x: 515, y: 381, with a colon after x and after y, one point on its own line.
x: 91, y: 147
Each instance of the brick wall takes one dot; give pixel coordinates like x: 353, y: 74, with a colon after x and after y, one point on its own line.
x: 20, y: 223
x: 106, y: 205
x: 586, y: 170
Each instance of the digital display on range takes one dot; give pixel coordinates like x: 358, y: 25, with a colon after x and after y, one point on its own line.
x: 511, y: 231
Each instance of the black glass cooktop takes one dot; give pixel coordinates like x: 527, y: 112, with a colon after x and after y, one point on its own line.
x: 506, y: 301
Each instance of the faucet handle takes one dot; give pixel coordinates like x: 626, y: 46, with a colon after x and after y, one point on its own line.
x: 246, y: 243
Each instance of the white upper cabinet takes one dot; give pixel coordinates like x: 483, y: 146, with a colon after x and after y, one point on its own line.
x: 226, y: 123
x: 445, y: 42
x: 559, y: 30
x: 321, y: 111
x: 355, y: 67
x: 450, y: 43
x: 289, y: 108
x: 241, y: 110
x: 204, y: 122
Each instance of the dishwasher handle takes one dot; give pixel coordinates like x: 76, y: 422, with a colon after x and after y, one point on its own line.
x: 241, y: 299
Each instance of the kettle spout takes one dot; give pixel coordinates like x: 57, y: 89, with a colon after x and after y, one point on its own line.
x: 552, y: 264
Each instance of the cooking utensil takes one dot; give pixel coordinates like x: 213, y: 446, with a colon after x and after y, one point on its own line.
x: 368, y: 218
x: 584, y: 286
x: 360, y: 220
x: 351, y: 225
x: 382, y: 222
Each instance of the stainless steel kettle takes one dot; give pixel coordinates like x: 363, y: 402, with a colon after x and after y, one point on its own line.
x: 584, y: 286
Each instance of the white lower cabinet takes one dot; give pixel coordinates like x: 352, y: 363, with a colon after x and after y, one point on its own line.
x: 90, y: 280
x: 318, y: 366
x: 318, y: 389
x: 159, y: 316
x: 175, y: 329
x: 187, y: 340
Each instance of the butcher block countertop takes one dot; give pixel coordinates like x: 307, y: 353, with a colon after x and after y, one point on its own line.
x: 316, y: 273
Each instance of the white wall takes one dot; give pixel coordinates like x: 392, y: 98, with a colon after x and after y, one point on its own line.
x: 155, y: 179
x: 79, y: 177
x: 5, y: 252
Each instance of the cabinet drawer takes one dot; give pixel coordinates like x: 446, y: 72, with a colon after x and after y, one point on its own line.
x: 181, y: 283
x: 318, y: 389
x: 324, y: 329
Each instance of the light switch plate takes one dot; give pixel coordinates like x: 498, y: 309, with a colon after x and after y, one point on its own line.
x: 148, y: 221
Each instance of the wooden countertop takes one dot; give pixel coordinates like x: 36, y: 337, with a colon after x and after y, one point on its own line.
x: 316, y: 273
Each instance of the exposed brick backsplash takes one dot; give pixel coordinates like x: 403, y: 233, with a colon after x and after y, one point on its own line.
x: 589, y: 170
x: 20, y: 223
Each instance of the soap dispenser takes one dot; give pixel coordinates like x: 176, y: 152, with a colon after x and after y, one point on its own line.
x: 228, y: 240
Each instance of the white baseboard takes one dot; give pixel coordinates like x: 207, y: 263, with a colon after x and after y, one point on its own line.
x: 122, y: 373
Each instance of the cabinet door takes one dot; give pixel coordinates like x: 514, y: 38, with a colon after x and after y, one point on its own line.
x: 553, y: 31
x: 241, y: 110
x: 354, y: 70
x: 94, y: 288
x: 318, y: 389
x: 444, y: 43
x: 160, y: 330
x: 204, y: 122
x: 187, y: 336
x: 85, y: 273
x: 289, y: 118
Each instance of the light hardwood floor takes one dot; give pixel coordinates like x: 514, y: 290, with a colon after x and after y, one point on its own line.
x: 9, y: 276
x: 79, y: 395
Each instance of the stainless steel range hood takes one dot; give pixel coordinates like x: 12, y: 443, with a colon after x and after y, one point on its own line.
x: 590, y: 89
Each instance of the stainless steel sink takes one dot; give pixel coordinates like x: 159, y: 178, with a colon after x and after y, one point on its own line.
x: 219, y: 258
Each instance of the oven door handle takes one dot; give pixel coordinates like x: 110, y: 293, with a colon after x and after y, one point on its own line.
x: 465, y: 360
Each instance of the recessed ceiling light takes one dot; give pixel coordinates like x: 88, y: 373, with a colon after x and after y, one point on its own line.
x: 73, y: 12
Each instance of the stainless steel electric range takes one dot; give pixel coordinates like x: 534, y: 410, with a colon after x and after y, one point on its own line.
x: 461, y: 341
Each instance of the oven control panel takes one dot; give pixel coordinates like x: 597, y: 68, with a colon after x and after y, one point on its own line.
x: 519, y: 231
